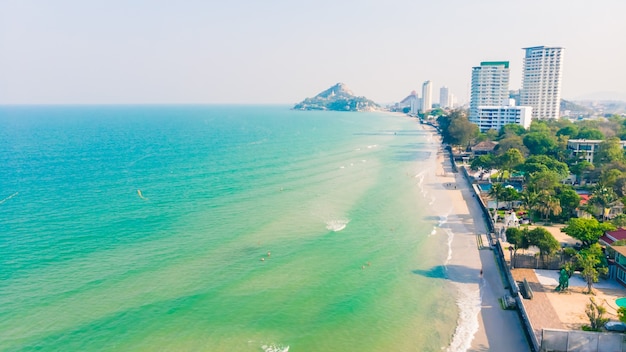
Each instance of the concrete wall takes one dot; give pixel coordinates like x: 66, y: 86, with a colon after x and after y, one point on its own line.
x: 582, y: 341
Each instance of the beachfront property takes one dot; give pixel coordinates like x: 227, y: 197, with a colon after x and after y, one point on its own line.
x: 585, y: 149
x: 490, y: 105
x: 541, y: 81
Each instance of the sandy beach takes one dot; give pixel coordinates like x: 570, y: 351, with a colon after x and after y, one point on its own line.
x: 475, y: 270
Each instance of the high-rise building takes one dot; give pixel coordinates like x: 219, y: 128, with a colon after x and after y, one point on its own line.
x: 427, y: 96
x: 444, y: 97
x: 490, y: 106
x: 490, y: 86
x: 541, y: 81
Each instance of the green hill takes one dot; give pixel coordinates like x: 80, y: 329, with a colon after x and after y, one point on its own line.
x: 337, y: 98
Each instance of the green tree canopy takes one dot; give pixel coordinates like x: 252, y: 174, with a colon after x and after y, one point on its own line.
x: 511, y: 142
x: 510, y: 160
x: 569, y: 200
x: 485, y: 162
x: 587, y: 231
x: 544, y: 240
x: 540, y: 143
x: 589, y: 133
x: 456, y: 128
x: 580, y: 168
x: 512, y: 129
x: 518, y: 238
x: 535, y: 163
x: 590, y: 260
x: 570, y: 130
x: 544, y: 181
x: 609, y: 151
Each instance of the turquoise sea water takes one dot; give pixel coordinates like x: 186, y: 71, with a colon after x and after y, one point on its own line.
x: 218, y: 228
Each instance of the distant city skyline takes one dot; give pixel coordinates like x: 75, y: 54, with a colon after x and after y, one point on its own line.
x: 279, y: 52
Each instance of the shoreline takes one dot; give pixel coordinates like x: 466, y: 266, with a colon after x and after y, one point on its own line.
x: 482, y: 324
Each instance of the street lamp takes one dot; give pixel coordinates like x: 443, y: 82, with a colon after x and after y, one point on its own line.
x: 511, y: 255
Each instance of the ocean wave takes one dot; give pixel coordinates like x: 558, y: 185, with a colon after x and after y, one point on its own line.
x: 449, y: 244
x: 275, y: 348
x: 337, y: 225
x: 469, y: 303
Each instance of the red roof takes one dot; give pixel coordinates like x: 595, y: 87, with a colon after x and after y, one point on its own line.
x: 612, y: 236
x: 584, y: 198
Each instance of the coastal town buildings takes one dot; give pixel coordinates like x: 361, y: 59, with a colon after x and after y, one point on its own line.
x: 541, y: 81
x: 490, y: 106
x: 410, y: 104
x: 427, y: 96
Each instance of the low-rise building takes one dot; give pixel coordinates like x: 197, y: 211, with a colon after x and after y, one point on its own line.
x: 495, y: 117
x: 618, y: 271
x: 585, y: 149
x: 611, y: 237
x: 483, y: 148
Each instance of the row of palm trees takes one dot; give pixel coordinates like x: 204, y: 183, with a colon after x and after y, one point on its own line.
x: 543, y: 201
x: 547, y: 204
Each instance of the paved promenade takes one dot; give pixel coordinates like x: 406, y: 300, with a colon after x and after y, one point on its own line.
x: 539, y: 309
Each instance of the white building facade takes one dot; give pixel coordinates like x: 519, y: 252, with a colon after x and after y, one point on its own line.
x: 427, y: 96
x: 585, y: 149
x: 541, y: 81
x: 495, y: 117
x: 490, y: 86
x: 444, y: 97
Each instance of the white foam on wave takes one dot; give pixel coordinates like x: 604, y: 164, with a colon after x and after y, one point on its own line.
x: 420, y: 183
x: 469, y: 303
x: 9, y: 197
x: 449, y: 243
x: 275, y: 348
x: 337, y: 225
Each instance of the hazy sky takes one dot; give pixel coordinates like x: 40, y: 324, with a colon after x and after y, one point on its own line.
x: 281, y: 51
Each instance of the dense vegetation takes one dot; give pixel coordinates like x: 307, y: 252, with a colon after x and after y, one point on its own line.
x: 552, y: 178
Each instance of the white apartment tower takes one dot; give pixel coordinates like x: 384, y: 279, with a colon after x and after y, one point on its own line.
x: 444, y: 97
x: 427, y: 96
x: 490, y: 106
x: 490, y: 86
x: 541, y: 81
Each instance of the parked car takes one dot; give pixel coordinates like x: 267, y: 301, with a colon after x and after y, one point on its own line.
x: 615, y: 326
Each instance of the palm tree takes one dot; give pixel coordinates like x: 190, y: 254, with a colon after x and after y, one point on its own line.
x: 529, y: 200
x: 603, y: 197
x: 496, y: 192
x: 509, y: 194
x: 549, y: 205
